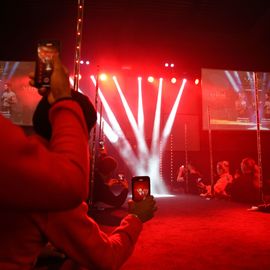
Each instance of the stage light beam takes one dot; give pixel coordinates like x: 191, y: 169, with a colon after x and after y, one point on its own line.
x: 140, y: 140
x: 156, y: 128
x: 148, y: 161
x: 232, y: 81
x: 140, y: 108
x: 168, y: 126
x: 125, y: 148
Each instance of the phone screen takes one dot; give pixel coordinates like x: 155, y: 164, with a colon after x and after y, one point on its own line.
x: 140, y: 187
x: 44, y: 67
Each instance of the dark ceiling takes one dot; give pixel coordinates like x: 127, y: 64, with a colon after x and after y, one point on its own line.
x: 191, y: 33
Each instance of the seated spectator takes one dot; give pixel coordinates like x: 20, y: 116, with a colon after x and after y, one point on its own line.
x: 224, y: 178
x: 190, y: 179
x: 24, y: 234
x: 104, y: 180
x: 246, y: 185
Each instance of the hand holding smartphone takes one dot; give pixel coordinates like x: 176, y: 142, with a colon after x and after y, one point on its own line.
x: 143, y: 204
x: 50, y: 77
x: 46, y: 50
x: 140, y: 187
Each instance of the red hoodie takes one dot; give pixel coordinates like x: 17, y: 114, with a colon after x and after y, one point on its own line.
x: 35, y: 177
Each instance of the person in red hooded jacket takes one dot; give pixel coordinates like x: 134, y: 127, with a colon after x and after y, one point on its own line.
x: 24, y: 234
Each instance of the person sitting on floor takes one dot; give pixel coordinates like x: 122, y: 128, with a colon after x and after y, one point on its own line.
x: 246, y: 185
x: 189, y: 179
x: 104, y: 181
x: 225, y: 178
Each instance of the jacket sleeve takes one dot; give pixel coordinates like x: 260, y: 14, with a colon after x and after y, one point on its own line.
x: 116, y: 200
x: 79, y: 237
x: 36, y: 177
x: 103, y: 193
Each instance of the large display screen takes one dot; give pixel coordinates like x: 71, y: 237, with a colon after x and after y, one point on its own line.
x: 229, y: 99
x: 18, y: 98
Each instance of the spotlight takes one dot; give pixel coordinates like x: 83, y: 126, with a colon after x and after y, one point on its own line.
x: 150, y: 79
x: 87, y: 62
x: 197, y: 81
x: 172, y: 65
x: 82, y: 62
x: 166, y: 64
x: 173, y: 80
x: 103, y: 77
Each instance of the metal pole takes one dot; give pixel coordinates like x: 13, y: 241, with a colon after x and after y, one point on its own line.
x: 93, y: 148
x: 171, y: 159
x: 186, y: 160
x: 210, y: 152
x: 100, y: 135
x: 259, y: 148
x: 78, y: 44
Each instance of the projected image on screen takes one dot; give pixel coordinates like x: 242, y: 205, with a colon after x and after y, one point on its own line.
x: 18, y: 98
x: 229, y: 97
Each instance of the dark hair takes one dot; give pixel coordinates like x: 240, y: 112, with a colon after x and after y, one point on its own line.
x: 106, y: 165
x: 224, y: 165
x: 42, y: 125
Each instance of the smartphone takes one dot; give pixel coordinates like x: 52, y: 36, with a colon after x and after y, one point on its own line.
x: 44, y: 67
x: 140, y: 187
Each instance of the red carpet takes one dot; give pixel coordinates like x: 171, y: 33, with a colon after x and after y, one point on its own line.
x: 189, y: 232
